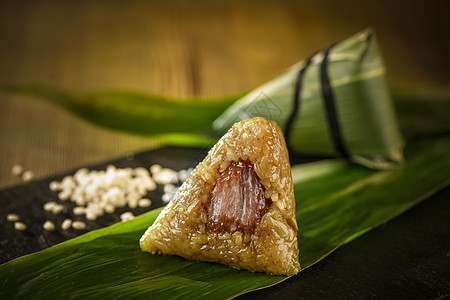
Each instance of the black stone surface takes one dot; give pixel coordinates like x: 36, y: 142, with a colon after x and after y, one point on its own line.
x: 407, y: 258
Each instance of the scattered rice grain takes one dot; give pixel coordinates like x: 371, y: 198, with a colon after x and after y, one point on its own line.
x: 49, y: 206
x: 49, y: 225
x: 27, y: 175
x: 17, y: 170
x: 170, y: 188
x: 57, y: 208
x: 54, y: 186
x: 133, y: 203
x: 20, y: 226
x: 126, y: 216
x: 66, y: 224
x: 12, y: 217
x: 145, y: 202
x: 184, y: 174
x: 109, y: 208
x: 166, y: 176
x: 166, y: 197
x: 79, y: 210
x: 155, y: 169
x: 64, y: 195
x: 79, y: 225
x: 91, y: 215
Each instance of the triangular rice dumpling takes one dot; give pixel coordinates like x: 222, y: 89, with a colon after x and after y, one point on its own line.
x: 237, y: 207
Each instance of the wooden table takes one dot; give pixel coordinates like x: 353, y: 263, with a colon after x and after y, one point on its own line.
x: 181, y: 49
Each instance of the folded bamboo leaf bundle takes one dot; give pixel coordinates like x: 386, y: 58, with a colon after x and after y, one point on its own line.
x: 335, y: 103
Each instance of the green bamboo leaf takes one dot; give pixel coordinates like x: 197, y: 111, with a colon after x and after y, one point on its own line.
x: 336, y: 202
x: 185, y: 139
x: 175, y: 122
x: 346, y: 208
x: 422, y: 111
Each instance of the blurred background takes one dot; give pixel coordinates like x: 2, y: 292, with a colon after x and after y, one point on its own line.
x: 181, y: 49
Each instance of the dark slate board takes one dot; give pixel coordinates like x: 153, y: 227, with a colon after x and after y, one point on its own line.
x: 407, y: 258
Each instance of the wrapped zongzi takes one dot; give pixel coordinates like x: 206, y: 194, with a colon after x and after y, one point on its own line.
x: 336, y: 103
x: 237, y: 207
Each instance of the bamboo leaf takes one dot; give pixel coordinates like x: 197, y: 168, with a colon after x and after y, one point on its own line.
x: 423, y: 111
x: 336, y: 202
x: 346, y: 208
x: 175, y: 122
x: 185, y: 139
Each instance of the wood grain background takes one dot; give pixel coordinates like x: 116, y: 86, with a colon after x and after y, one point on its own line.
x: 181, y: 49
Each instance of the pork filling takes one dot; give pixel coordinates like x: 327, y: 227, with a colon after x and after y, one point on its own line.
x: 237, y: 200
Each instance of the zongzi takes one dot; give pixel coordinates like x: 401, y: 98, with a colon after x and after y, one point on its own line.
x: 336, y: 103
x: 237, y: 207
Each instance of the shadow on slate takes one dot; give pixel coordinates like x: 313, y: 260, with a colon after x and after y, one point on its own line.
x: 409, y: 257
